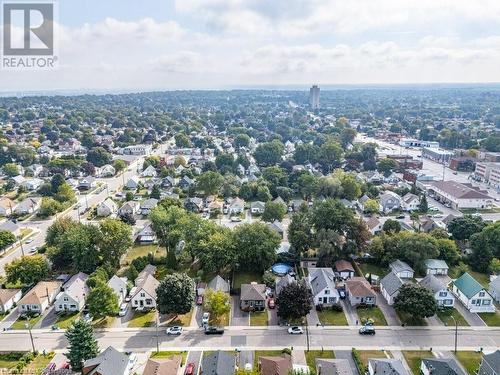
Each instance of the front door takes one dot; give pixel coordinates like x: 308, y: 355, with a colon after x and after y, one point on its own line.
x: 141, y: 303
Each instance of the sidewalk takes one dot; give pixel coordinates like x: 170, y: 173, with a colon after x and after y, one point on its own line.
x: 299, y: 357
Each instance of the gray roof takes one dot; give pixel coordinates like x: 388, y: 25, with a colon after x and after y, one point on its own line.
x: 333, y: 366
x: 218, y: 283
x: 320, y: 278
x: 218, y: 363
x: 432, y: 283
x: 388, y: 367
x: 435, y: 263
x: 282, y: 282
x: 253, y: 292
x: 9, y: 226
x: 399, y: 266
x: 391, y: 283
x: 443, y: 366
x: 109, y: 362
x: 490, y: 363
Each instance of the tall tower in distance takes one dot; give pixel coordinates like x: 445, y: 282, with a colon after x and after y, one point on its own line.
x: 314, y: 97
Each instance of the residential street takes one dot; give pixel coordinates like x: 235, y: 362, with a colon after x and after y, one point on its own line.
x: 338, y: 338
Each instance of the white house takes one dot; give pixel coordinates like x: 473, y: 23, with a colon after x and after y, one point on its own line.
x: 106, y: 208
x: 381, y: 366
x: 150, y: 171
x: 442, y: 295
x: 440, y: 366
x: 401, y: 269
x: 389, y: 201
x: 344, y: 269
x: 132, y: 183
x: 322, y: 285
x: 8, y: 297
x: 236, y: 206
x: 410, y: 202
x: 28, y: 206
x: 144, y: 292
x: 32, y: 183
x: 106, y: 171
x: 459, y: 195
x: 257, y: 208
x: 374, y: 225
x: 494, y: 288
x: 129, y: 208
x: 436, y: 267
x: 389, y: 287
x: 148, y: 205
x: 6, y: 206
x: 73, y: 294
x: 146, y: 235
x: 138, y: 150
x: 39, y: 297
x: 119, y: 286
x: 474, y: 297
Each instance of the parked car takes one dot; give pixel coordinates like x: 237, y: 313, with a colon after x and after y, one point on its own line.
x: 174, y: 331
x: 123, y: 309
x: 189, y: 369
x: 400, y: 217
x: 34, y: 249
x: 199, y: 300
x: 205, y: 318
x: 235, y: 219
x: 271, y: 303
x: 342, y: 293
x: 367, y: 330
x: 214, y: 330
x: 128, y: 298
x: 29, y: 240
x: 295, y: 330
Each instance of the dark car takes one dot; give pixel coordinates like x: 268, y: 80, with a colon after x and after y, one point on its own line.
x: 214, y: 330
x: 367, y: 330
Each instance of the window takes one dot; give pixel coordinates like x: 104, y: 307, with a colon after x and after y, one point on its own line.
x: 143, y: 294
x: 486, y: 302
x: 65, y: 299
x: 327, y: 291
x: 473, y: 302
x: 443, y: 294
x: 136, y: 302
x: 72, y: 306
x: 331, y: 300
x: 149, y: 301
x: 481, y: 294
x: 448, y: 302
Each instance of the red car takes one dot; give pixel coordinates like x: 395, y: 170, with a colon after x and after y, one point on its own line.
x: 271, y: 304
x: 199, y: 300
x: 189, y: 369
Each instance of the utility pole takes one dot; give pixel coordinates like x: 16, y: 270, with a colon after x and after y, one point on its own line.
x: 307, y: 333
x: 21, y: 243
x: 456, y: 333
x: 157, y: 337
x: 28, y: 326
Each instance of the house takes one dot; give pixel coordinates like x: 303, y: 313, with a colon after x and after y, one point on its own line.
x: 333, y: 367
x: 253, y: 296
x: 119, y: 287
x: 344, y: 269
x: 129, y: 208
x: 86, y: 183
x: 296, y: 204
x: 439, y: 290
x: 106, y: 171
x: 28, y: 206
x: 109, y: 362
x: 440, y: 366
x: 219, y: 284
x: 144, y: 292
x: 186, y: 182
x: 150, y: 171
x: 168, y: 182
x: 34, y: 170
x: 389, y: 287
x: 277, y: 226
x: 490, y: 364
x: 278, y: 365
x: 215, y: 206
x: 436, y: 267
x: 359, y: 292
x: 494, y: 288
x: 132, y: 183
x: 73, y: 294
x: 9, y: 297
x: 144, y: 150
x: 374, y: 225
x: 146, y: 235
x: 402, y: 269
x: 218, y: 363
x: 106, y: 208
x: 10, y: 226
x: 459, y: 195
x: 386, y: 366
x: 148, y: 205
x: 474, y: 297
x: 163, y: 366
x: 281, y: 282
x: 39, y: 297
x: 32, y: 184
x: 410, y: 202
x: 6, y: 206
x: 236, y: 206
x: 389, y: 201
x: 322, y: 285
x: 194, y: 204
x: 257, y: 208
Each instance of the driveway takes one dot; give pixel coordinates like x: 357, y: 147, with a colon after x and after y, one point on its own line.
x: 347, y: 354
x: 313, y: 318
x: 49, y: 318
x: 472, y: 318
x: 238, y: 318
x: 122, y: 321
x: 196, y: 317
x: 9, y: 319
x: 349, y: 312
x: 272, y: 317
x: 244, y: 357
x: 194, y: 357
x: 390, y: 314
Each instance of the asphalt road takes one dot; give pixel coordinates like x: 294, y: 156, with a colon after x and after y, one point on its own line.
x: 251, y: 338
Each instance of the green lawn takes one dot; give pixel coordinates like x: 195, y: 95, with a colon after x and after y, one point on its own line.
x: 143, y: 319
x: 491, y: 319
x: 39, y: 363
x: 245, y: 278
x: 168, y: 354
x: 414, y: 358
x: 330, y: 317
x: 20, y: 323
x: 258, y: 318
x: 65, y: 320
x: 222, y: 321
x: 374, y: 313
x: 481, y: 278
x: 365, y: 355
x: 180, y: 320
x: 139, y: 251
x: 9, y: 360
x: 470, y: 360
x: 106, y: 322
x: 373, y: 268
x: 446, y: 314
x: 264, y: 353
x: 410, y: 320
x: 311, y: 356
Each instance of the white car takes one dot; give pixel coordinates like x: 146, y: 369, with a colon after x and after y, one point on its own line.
x: 174, y: 330
x: 235, y: 219
x: 29, y: 240
x: 123, y: 309
x: 205, y: 318
x: 295, y: 330
x: 34, y: 249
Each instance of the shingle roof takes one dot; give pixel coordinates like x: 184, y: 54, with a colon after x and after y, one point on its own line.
x: 281, y: 365
x: 343, y: 265
x: 359, y: 287
x: 218, y: 283
x: 253, y: 292
x: 163, y: 366
x: 282, y: 282
x: 432, y: 283
x: 7, y: 294
x: 435, y: 263
x: 333, y: 366
x: 460, y: 191
x: 468, y: 285
x: 388, y: 367
x: 320, y: 278
x: 492, y: 361
x: 399, y: 266
x: 109, y: 362
x: 38, y: 293
x: 443, y: 366
x: 218, y: 363
x: 391, y: 283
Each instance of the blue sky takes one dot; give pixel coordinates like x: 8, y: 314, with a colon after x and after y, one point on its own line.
x: 177, y: 44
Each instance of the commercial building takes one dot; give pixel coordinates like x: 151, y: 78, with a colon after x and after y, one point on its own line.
x: 488, y: 172
x: 314, y: 97
x: 437, y: 154
x: 410, y: 142
x: 458, y: 195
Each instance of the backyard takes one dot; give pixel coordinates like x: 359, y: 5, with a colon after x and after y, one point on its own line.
x: 414, y: 358
x: 470, y: 360
x: 373, y: 268
x: 331, y: 317
x: 482, y: 278
x: 139, y: 251
x: 374, y: 313
x: 445, y: 316
x: 311, y: 356
x: 245, y: 278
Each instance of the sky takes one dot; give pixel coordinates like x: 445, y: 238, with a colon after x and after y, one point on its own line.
x: 132, y: 45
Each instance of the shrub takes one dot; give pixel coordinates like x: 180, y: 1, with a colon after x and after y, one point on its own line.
x: 337, y: 307
x: 357, y: 361
x: 287, y: 351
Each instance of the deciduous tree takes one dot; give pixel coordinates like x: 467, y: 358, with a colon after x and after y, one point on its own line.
x: 175, y: 294
x: 294, y: 301
x: 27, y: 270
x: 416, y: 301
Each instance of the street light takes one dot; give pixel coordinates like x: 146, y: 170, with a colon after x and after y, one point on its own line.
x: 456, y: 333
x: 21, y: 243
x: 28, y: 326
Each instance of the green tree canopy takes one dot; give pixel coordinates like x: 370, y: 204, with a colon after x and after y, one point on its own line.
x: 82, y: 344
x: 274, y: 211
x: 416, y: 301
x: 27, y: 270
x: 175, y: 294
x: 294, y: 301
